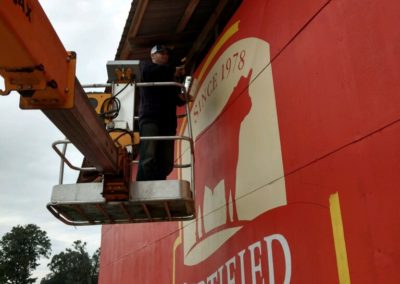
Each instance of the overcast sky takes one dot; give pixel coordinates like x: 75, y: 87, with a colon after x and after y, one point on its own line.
x: 29, y: 167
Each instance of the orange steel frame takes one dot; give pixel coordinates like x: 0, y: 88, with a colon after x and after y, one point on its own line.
x: 34, y: 62
x: 32, y: 56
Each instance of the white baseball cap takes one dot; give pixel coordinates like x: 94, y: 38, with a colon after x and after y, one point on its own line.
x: 158, y: 48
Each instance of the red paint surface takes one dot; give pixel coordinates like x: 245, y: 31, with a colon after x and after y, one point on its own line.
x: 217, y: 150
x: 335, y: 67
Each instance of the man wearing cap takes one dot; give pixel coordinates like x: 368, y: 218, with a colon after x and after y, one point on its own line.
x: 157, y: 115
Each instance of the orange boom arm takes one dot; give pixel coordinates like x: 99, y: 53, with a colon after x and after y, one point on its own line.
x: 34, y: 62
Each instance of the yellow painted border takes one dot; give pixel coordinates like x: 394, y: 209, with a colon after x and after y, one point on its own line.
x: 234, y: 28
x: 338, y: 236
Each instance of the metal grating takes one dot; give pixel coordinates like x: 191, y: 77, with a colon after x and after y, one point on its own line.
x: 150, y: 201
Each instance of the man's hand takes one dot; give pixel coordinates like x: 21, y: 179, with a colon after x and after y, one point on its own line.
x: 189, y: 98
x: 180, y: 71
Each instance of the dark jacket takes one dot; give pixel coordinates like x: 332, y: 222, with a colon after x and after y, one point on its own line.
x: 159, y: 103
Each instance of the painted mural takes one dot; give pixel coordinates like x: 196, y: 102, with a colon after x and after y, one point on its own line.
x: 239, y: 172
x: 296, y: 126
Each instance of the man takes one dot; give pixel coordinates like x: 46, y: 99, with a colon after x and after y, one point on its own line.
x: 157, y: 115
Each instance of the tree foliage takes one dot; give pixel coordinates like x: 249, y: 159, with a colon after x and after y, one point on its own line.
x: 73, y: 266
x: 95, y: 266
x: 20, y: 250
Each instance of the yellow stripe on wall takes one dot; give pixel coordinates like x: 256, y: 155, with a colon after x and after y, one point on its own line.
x: 338, y: 236
x: 224, y: 38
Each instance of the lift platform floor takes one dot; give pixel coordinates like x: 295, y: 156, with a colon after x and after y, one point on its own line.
x: 149, y: 201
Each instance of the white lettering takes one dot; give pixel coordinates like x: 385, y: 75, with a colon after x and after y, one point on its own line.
x: 212, y: 277
x: 255, y: 262
x: 286, y: 251
x: 220, y: 274
x: 254, y: 266
x: 229, y: 275
x: 241, y: 254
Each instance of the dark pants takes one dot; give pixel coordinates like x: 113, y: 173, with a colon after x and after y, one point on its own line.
x: 156, y: 157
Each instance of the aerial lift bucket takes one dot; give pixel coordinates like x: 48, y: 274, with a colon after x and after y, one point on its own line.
x: 147, y: 201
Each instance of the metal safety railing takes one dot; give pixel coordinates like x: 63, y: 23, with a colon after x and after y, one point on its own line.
x: 188, y: 138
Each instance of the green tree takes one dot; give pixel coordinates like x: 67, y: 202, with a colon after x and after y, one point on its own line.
x: 20, y: 250
x: 95, y: 266
x: 73, y: 266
